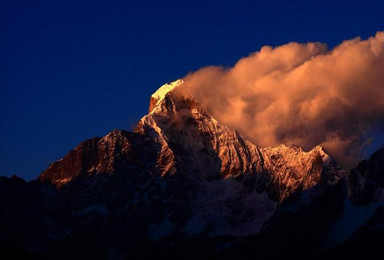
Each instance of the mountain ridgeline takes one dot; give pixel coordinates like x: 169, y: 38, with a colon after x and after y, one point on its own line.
x: 181, y: 185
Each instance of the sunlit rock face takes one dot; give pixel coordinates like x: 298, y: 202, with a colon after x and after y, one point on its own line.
x: 291, y: 169
x: 212, y: 150
x: 111, y: 153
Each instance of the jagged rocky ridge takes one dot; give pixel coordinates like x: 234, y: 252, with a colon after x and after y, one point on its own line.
x: 180, y: 176
x: 192, y: 141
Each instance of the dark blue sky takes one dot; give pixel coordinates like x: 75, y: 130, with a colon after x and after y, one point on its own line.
x: 71, y: 70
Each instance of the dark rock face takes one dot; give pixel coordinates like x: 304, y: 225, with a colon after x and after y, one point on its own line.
x: 296, y: 230
x: 366, y: 243
x: 180, y: 186
x: 367, y: 179
x: 22, y: 211
x: 366, y: 187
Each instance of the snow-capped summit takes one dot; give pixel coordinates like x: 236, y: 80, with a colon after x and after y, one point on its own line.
x: 179, y: 123
x: 166, y: 88
x: 185, y: 155
x: 189, y: 139
x: 162, y: 92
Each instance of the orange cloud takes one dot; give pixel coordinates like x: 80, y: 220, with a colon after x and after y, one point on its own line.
x: 301, y: 94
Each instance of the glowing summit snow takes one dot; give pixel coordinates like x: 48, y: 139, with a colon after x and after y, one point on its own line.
x: 166, y: 88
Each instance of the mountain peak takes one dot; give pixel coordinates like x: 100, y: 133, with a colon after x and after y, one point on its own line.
x: 166, y: 88
x: 162, y: 92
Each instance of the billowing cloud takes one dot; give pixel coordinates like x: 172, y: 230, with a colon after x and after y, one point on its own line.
x: 301, y: 94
